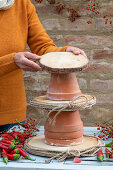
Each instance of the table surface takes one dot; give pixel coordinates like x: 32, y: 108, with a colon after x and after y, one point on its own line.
x: 90, y: 163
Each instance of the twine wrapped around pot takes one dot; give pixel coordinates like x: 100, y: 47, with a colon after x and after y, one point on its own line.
x: 70, y: 105
x: 37, y: 146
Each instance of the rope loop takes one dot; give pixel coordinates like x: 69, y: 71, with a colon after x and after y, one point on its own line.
x: 71, y: 104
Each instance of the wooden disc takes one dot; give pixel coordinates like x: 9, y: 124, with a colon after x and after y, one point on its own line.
x: 89, y: 147
x: 38, y: 143
x: 80, y: 103
x: 63, y: 62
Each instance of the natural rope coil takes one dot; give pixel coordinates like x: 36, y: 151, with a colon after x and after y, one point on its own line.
x: 76, y: 104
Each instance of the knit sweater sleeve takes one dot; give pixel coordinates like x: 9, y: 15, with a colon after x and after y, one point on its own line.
x: 38, y: 40
x: 7, y: 64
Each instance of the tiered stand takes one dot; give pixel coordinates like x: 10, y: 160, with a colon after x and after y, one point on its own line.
x: 63, y: 127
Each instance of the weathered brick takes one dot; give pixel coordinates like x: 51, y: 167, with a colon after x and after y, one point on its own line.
x: 101, y: 84
x: 102, y: 53
x: 41, y: 81
x: 82, y: 83
x: 97, y: 71
x: 101, y: 26
x: 51, y: 24
x: 42, y: 9
x: 88, y: 40
x: 80, y: 24
x: 96, y: 114
x: 37, y: 114
x: 107, y: 8
x: 101, y: 114
x: 56, y: 38
x: 31, y: 94
x: 104, y: 99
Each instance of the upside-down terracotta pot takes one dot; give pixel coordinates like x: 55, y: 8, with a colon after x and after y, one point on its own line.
x: 67, y: 129
x: 63, y: 87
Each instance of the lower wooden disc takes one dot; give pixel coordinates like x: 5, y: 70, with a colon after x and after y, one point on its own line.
x: 38, y: 146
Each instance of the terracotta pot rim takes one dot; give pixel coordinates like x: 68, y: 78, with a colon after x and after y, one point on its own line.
x: 54, y: 142
x: 62, y: 96
x: 65, y: 93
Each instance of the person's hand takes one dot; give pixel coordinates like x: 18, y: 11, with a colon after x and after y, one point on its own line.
x: 75, y: 50
x: 23, y: 61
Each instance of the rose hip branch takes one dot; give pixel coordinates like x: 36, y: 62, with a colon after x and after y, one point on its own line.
x: 93, y: 9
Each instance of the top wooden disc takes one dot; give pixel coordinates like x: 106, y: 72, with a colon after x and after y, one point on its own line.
x: 63, y: 62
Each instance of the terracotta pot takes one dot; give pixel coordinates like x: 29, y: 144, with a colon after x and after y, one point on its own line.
x: 66, y: 129
x: 63, y: 87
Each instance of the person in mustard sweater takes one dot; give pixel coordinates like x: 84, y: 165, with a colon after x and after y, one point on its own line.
x: 20, y: 25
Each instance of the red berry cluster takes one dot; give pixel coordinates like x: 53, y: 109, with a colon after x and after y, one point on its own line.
x: 108, y: 20
x: 94, y: 6
x: 89, y: 22
x: 30, y: 128
x: 105, y: 130
x: 73, y: 14
x: 59, y: 7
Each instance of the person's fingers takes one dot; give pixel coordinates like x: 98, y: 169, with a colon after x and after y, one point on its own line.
x: 31, y: 64
x: 25, y: 63
x: 73, y: 49
x: 76, y: 51
x: 27, y: 68
x: 83, y: 53
x: 31, y: 56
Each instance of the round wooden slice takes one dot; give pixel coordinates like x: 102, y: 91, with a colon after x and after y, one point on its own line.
x: 39, y: 143
x: 63, y: 62
x: 89, y: 147
x: 79, y: 103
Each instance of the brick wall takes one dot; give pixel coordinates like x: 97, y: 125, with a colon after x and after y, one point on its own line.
x: 96, y: 40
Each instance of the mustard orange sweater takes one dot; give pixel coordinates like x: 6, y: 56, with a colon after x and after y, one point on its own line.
x: 19, y: 25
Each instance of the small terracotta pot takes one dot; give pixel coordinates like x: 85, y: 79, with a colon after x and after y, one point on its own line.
x: 63, y: 87
x: 66, y: 129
